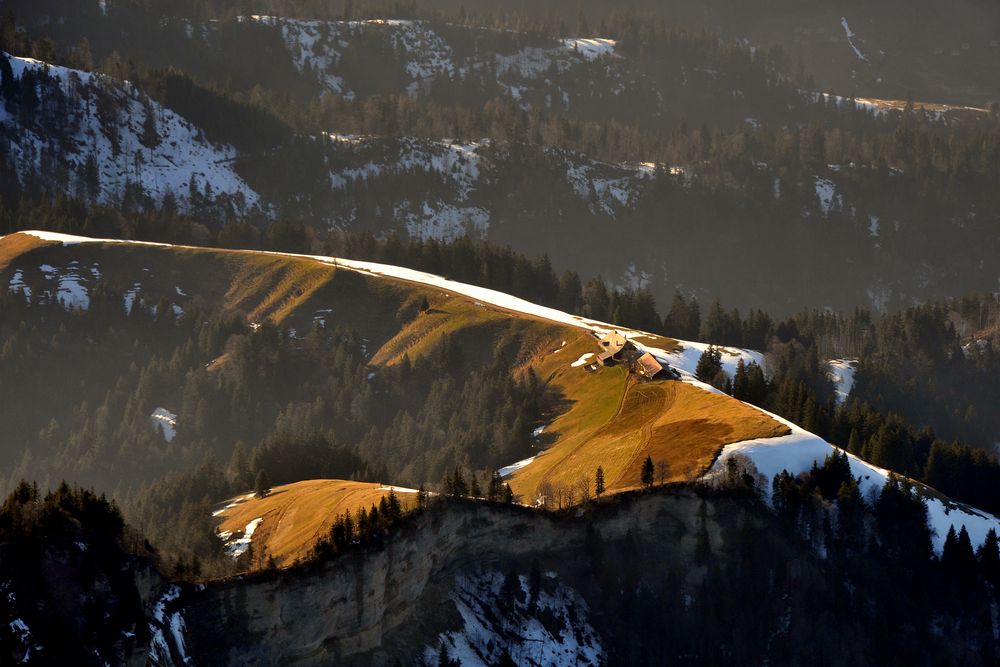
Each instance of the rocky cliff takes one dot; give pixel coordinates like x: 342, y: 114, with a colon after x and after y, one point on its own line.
x: 380, y: 605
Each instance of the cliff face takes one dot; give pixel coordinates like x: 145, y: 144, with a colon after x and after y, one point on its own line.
x: 67, y: 601
x: 693, y: 576
x: 381, y: 605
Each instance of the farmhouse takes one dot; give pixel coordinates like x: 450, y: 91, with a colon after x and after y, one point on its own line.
x: 647, y: 366
x: 613, y: 345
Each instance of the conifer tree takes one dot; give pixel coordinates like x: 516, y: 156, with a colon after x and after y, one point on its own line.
x: 261, y: 486
x: 850, y: 512
x: 709, y: 365
x: 741, y: 382
x: 989, y: 558
x: 648, y: 472
x: 599, y: 481
x: 495, y: 490
x: 459, y: 487
x: 508, y: 494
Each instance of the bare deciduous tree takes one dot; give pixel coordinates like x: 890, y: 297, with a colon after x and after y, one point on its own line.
x: 662, y: 472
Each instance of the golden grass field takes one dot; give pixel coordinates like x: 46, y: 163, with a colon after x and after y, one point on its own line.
x: 614, y: 421
x: 15, y: 245
x: 296, y: 515
x: 285, y: 284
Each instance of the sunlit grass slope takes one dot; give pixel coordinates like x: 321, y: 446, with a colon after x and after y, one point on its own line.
x: 295, y: 516
x: 610, y: 419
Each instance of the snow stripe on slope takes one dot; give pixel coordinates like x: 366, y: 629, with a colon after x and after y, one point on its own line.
x: 797, y: 451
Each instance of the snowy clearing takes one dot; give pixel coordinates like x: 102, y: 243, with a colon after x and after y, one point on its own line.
x: 842, y: 375
x: 165, y: 422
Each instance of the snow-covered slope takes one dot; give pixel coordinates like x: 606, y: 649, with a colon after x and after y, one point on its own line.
x: 795, y: 452
x: 103, y: 139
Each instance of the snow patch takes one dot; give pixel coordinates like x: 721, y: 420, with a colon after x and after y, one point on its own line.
x: 165, y: 422
x: 70, y: 292
x: 239, y: 546
x: 507, y: 471
x: 842, y: 375
x: 160, y: 625
x: 850, y: 39
x: 233, y: 503
x: 398, y: 489
x: 826, y: 193
x: 591, y: 48
x: 18, y: 285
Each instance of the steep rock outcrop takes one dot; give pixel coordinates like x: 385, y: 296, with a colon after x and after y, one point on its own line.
x: 378, y: 605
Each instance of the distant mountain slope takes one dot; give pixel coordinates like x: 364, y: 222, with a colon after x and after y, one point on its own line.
x: 522, y: 66
x: 863, y: 49
x: 105, y: 141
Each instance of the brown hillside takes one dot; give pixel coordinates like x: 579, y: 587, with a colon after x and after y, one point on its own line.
x: 295, y: 516
x: 612, y: 420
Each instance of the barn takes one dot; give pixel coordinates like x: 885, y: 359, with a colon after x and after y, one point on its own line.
x: 648, y: 367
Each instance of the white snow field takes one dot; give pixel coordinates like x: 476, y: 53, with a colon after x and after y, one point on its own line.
x: 795, y: 452
x: 181, y: 158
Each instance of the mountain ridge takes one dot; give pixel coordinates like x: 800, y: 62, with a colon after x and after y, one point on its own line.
x: 796, y: 451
